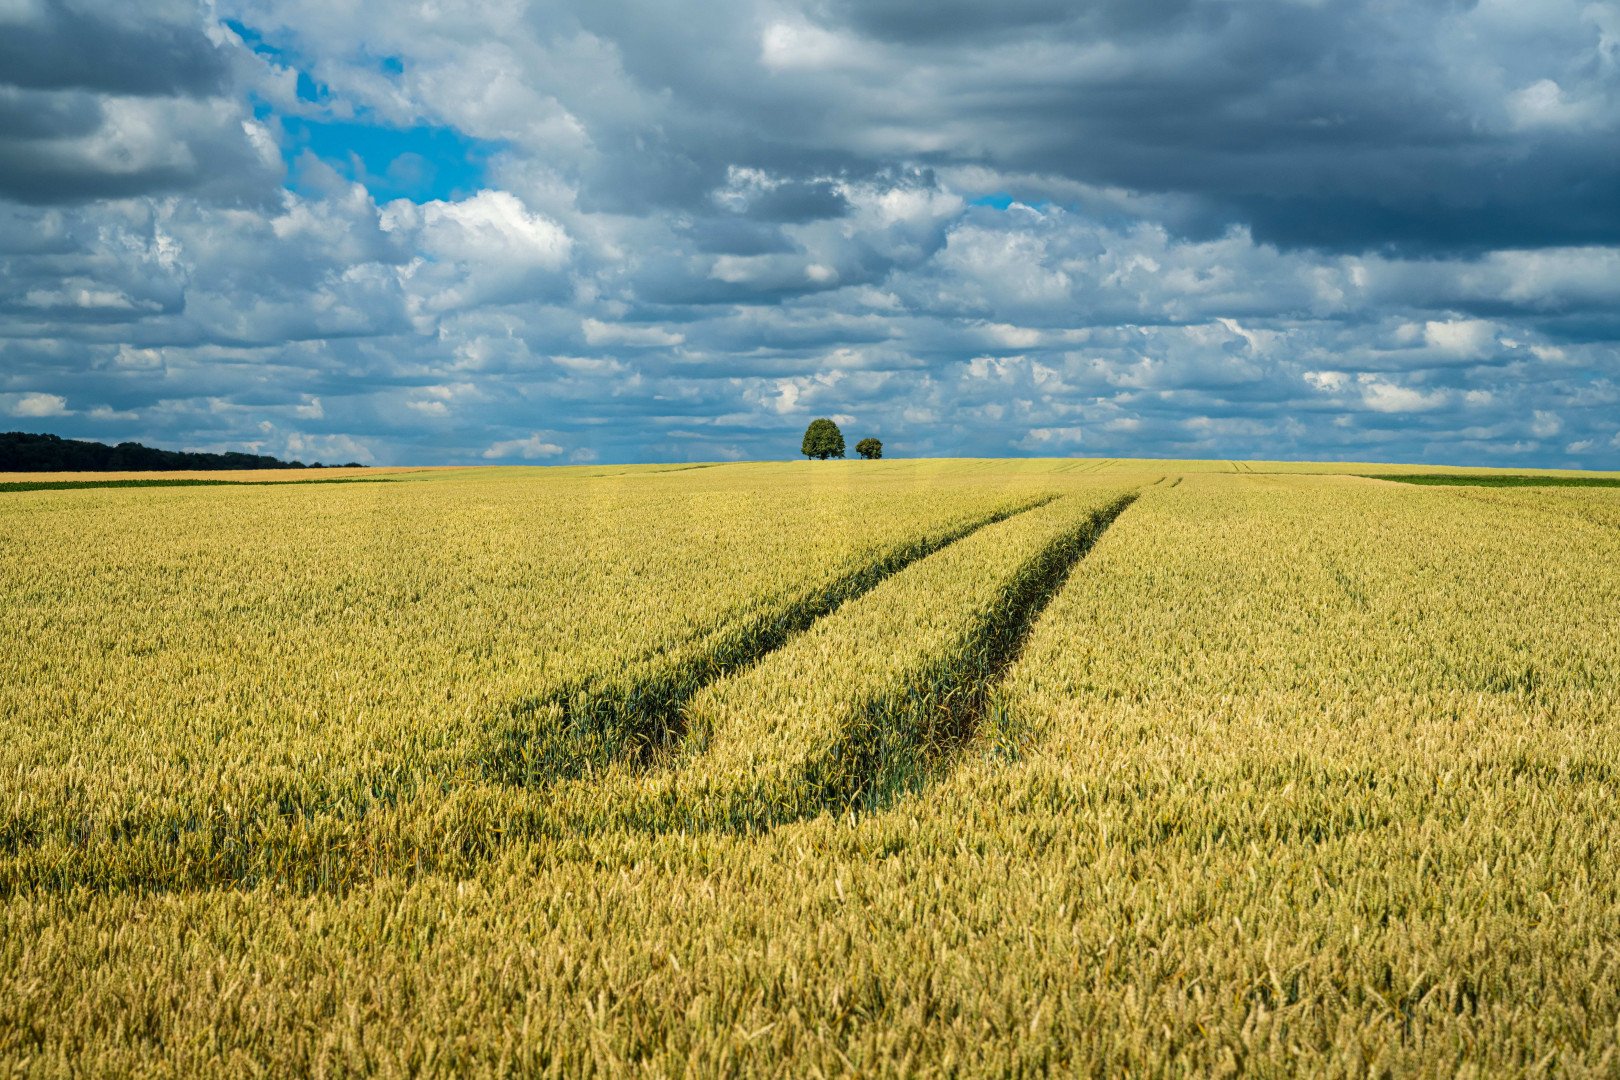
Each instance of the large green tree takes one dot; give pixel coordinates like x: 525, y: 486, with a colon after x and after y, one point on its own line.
x: 822, y: 440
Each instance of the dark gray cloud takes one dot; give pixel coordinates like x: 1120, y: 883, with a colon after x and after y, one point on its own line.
x: 108, y: 101
x: 153, y: 47
x: 905, y: 22
x: 1424, y: 126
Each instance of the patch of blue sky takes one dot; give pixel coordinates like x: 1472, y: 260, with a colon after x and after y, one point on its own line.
x: 421, y: 163
x: 311, y: 91
x: 1001, y: 200
x: 256, y: 41
x: 418, y: 163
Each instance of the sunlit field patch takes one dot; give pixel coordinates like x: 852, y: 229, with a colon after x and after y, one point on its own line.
x: 842, y: 767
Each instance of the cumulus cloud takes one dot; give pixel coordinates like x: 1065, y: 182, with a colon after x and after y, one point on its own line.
x: 1055, y: 440
x: 487, y: 249
x: 1466, y: 339
x: 1544, y: 423
x: 532, y: 448
x: 1383, y: 396
x: 493, y: 228
x: 598, y: 332
x: 35, y: 405
x: 682, y: 230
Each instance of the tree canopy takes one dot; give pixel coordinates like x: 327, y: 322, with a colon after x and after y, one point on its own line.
x: 869, y: 448
x: 822, y: 440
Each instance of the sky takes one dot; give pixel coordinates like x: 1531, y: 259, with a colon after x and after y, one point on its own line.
x: 491, y: 231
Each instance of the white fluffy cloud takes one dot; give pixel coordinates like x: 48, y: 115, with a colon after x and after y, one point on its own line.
x: 535, y: 447
x: 1383, y: 396
x: 1467, y: 339
x: 493, y: 228
x: 34, y: 406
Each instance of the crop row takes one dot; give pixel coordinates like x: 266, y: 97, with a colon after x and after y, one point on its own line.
x: 196, y: 669
x: 847, y: 712
x: 319, y: 765
x: 634, y: 710
x: 861, y: 707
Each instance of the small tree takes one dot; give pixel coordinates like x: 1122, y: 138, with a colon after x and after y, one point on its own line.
x: 822, y: 440
x: 870, y: 449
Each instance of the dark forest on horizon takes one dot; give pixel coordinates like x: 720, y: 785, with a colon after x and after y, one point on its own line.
x: 24, y: 452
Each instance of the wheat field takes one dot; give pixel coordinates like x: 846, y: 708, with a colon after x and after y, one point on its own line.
x: 819, y: 768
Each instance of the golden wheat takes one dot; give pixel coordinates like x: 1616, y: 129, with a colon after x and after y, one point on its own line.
x: 1294, y: 774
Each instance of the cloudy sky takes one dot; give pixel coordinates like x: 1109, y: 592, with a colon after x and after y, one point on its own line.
x: 463, y: 231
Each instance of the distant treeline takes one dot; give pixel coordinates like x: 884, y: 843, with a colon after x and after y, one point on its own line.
x: 22, y: 452
x: 1498, y: 480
